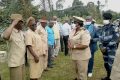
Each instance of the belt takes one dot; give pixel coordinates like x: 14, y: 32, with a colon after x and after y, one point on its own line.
x: 75, y: 49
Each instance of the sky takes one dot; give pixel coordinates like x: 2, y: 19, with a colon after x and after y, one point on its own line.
x: 112, y: 4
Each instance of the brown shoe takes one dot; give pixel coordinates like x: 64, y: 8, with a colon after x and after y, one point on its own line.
x: 46, y: 69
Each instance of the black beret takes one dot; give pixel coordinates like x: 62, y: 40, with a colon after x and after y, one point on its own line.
x: 107, y: 16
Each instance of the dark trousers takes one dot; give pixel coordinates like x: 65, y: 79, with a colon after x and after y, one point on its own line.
x: 108, y: 57
x: 50, y: 54
x: 61, y: 43
x: 65, y: 39
x: 91, y: 62
x: 93, y: 49
x: 26, y: 60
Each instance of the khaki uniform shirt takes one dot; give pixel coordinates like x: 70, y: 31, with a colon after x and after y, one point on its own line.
x: 33, y: 39
x: 43, y: 33
x: 56, y: 30
x: 115, y: 74
x: 81, y: 37
x: 16, y: 49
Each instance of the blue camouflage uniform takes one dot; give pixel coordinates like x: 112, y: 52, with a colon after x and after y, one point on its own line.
x: 108, y: 41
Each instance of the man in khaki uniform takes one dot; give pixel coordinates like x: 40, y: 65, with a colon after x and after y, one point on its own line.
x: 34, y: 51
x: 115, y: 74
x: 56, y: 30
x: 16, y: 51
x: 42, y: 32
x: 79, y: 40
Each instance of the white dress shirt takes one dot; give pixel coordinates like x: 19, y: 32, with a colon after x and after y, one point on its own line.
x: 66, y: 29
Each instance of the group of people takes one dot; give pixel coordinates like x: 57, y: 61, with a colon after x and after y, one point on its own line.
x: 83, y: 45
x: 43, y: 40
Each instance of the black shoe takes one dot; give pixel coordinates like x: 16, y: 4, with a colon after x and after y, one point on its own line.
x: 106, y: 78
x: 75, y: 79
x: 50, y: 66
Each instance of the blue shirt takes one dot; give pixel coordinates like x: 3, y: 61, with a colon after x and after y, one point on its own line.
x: 90, y: 28
x: 94, y: 37
x: 51, y: 38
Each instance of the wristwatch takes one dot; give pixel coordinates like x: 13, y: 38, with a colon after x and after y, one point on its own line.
x: 74, y: 46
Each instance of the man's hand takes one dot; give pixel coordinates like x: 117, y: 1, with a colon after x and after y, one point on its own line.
x: 70, y: 46
x: 103, y: 50
x: 45, y: 54
x: 36, y: 58
x: 15, y: 22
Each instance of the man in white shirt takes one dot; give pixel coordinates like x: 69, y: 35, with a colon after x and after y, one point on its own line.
x: 66, y: 29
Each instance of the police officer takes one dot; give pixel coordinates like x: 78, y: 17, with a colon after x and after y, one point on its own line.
x: 16, y: 51
x: 43, y: 33
x: 108, y: 43
x: 34, y: 50
x: 78, y: 44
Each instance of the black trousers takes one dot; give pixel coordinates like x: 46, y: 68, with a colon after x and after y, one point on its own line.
x: 108, y: 57
x: 65, y: 39
x: 61, y: 43
x: 50, y: 54
x: 0, y: 77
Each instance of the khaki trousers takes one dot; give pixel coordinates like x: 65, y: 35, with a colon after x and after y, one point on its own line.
x: 17, y: 73
x: 81, y: 67
x: 45, y: 61
x: 56, y: 50
x: 36, y: 69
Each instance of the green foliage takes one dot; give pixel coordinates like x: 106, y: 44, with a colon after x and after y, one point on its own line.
x: 115, y: 14
x: 24, y: 7
x: 94, y: 12
x: 59, y: 4
x: 77, y: 3
x: 77, y: 9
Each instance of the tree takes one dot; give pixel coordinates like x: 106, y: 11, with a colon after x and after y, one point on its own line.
x: 4, y: 3
x: 9, y: 7
x: 59, y: 4
x: 94, y: 11
x: 17, y: 6
x: 77, y: 3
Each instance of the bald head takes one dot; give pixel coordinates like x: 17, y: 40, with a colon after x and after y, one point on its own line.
x: 55, y: 18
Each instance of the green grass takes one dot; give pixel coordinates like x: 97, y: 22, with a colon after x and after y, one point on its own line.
x: 63, y: 70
